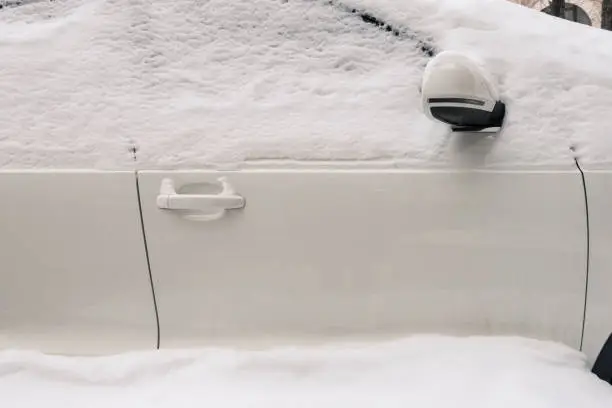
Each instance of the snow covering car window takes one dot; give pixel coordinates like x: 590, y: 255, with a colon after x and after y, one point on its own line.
x: 209, y: 82
x: 215, y: 83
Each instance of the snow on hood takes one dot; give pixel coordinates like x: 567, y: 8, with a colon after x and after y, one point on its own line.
x: 424, y: 372
x: 222, y: 83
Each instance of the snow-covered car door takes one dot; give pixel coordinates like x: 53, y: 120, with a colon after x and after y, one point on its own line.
x: 73, y: 272
x: 315, y: 254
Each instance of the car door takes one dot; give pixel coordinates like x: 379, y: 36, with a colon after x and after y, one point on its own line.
x: 318, y: 254
x: 598, y: 316
x: 73, y: 270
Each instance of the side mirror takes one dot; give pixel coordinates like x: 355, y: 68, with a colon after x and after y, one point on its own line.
x: 458, y: 92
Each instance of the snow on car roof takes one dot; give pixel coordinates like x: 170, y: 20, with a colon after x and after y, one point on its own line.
x: 184, y: 84
x: 423, y: 371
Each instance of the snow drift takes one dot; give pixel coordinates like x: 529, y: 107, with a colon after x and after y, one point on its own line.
x: 426, y: 372
x: 181, y: 83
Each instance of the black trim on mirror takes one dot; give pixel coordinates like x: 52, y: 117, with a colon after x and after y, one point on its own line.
x: 468, y: 119
x: 457, y: 100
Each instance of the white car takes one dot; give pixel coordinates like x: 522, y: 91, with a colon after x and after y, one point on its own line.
x: 179, y: 174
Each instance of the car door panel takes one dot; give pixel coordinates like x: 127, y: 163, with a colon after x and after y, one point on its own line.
x: 73, y: 272
x: 321, y: 254
x: 598, y: 317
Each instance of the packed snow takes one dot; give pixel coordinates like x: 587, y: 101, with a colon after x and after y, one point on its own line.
x: 183, y: 84
x: 424, y: 372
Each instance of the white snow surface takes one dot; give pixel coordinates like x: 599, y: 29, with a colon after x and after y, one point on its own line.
x: 218, y: 83
x: 423, y: 371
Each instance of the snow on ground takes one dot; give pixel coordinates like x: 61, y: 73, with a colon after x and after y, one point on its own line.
x: 424, y: 372
x: 220, y: 83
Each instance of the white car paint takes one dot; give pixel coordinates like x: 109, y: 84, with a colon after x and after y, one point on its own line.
x: 332, y: 253
x: 314, y: 255
x: 73, y: 272
x: 598, y: 322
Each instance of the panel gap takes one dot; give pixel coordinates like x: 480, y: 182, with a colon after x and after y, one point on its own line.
x: 588, y: 249
x: 146, y: 248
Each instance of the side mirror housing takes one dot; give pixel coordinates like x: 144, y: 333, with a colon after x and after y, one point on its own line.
x: 458, y: 92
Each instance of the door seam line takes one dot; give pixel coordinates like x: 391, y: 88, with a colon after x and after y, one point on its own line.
x: 146, y: 248
x: 588, y: 249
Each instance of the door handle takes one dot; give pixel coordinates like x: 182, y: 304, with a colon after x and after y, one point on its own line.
x: 227, y: 199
